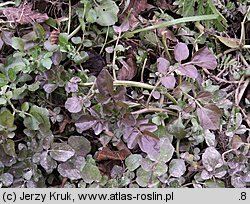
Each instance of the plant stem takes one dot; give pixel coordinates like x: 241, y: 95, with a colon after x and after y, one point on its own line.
x: 178, y: 148
x: 114, y: 56
x: 152, y: 109
x: 135, y: 84
x: 164, y: 42
x: 105, y: 41
x: 143, y: 68
x: 70, y: 10
x: 172, y: 22
x: 75, y: 31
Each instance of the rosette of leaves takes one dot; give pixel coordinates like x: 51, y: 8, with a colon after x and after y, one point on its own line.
x: 111, y: 107
x: 208, y: 113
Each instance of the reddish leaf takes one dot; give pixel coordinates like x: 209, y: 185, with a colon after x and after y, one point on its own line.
x: 138, y: 6
x: 129, y: 69
x: 204, y: 58
x: 104, y: 83
x: 181, y: 52
x: 189, y: 71
x: 162, y: 65
x: 85, y: 122
x: 106, y: 154
x: 168, y: 81
x: 209, y: 116
x: 204, y: 96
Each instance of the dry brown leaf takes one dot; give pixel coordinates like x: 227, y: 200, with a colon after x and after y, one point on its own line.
x: 24, y: 15
x: 129, y: 69
x: 107, y: 154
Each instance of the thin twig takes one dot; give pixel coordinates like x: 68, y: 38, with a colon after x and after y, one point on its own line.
x: 219, y: 79
x: 152, y: 110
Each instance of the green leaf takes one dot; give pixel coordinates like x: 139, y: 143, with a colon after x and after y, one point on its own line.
x: 133, y: 161
x: 17, y: 43
x: 35, y: 86
x: 40, y: 32
x: 25, y: 106
x: 3, y: 80
x: 212, y: 159
x: 107, y: 13
x: 12, y: 74
x: 91, y: 16
x: 9, y: 148
x: 31, y: 123
x: 177, y: 167
x: 90, y: 172
x: 166, y: 151
x: 6, y: 119
x: 177, y: 129
x: 47, y: 63
x: 3, y: 101
x: 61, y: 152
x: 7, y: 179
x: 160, y: 169
x: 80, y: 144
x: 40, y: 117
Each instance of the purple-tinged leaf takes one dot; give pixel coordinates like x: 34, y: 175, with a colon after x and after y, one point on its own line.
x: 148, y: 127
x: 204, y: 96
x: 142, y: 135
x: 181, y: 52
x: 85, y: 122
x: 49, y: 88
x: 211, y: 159
x: 72, y: 85
x: 71, y: 168
x: 104, y: 83
x: 74, y: 104
x: 122, y: 28
x: 47, y: 162
x: 149, y: 143
x: 61, y: 152
x: 156, y: 94
x: 99, y: 127
x: 131, y: 135
x: 209, y: 116
x: 177, y: 168
x: 189, y: 71
x: 80, y: 144
x: 56, y: 58
x: 162, y: 65
x: 204, y: 58
x: 128, y: 120
x: 168, y: 81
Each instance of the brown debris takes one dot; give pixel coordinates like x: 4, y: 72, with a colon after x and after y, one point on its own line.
x: 24, y: 15
x: 129, y: 68
x: 107, y: 154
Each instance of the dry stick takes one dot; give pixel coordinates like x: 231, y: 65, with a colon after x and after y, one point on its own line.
x: 7, y: 3
x: 241, y: 89
x: 219, y: 79
x: 245, y: 116
x: 152, y: 109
